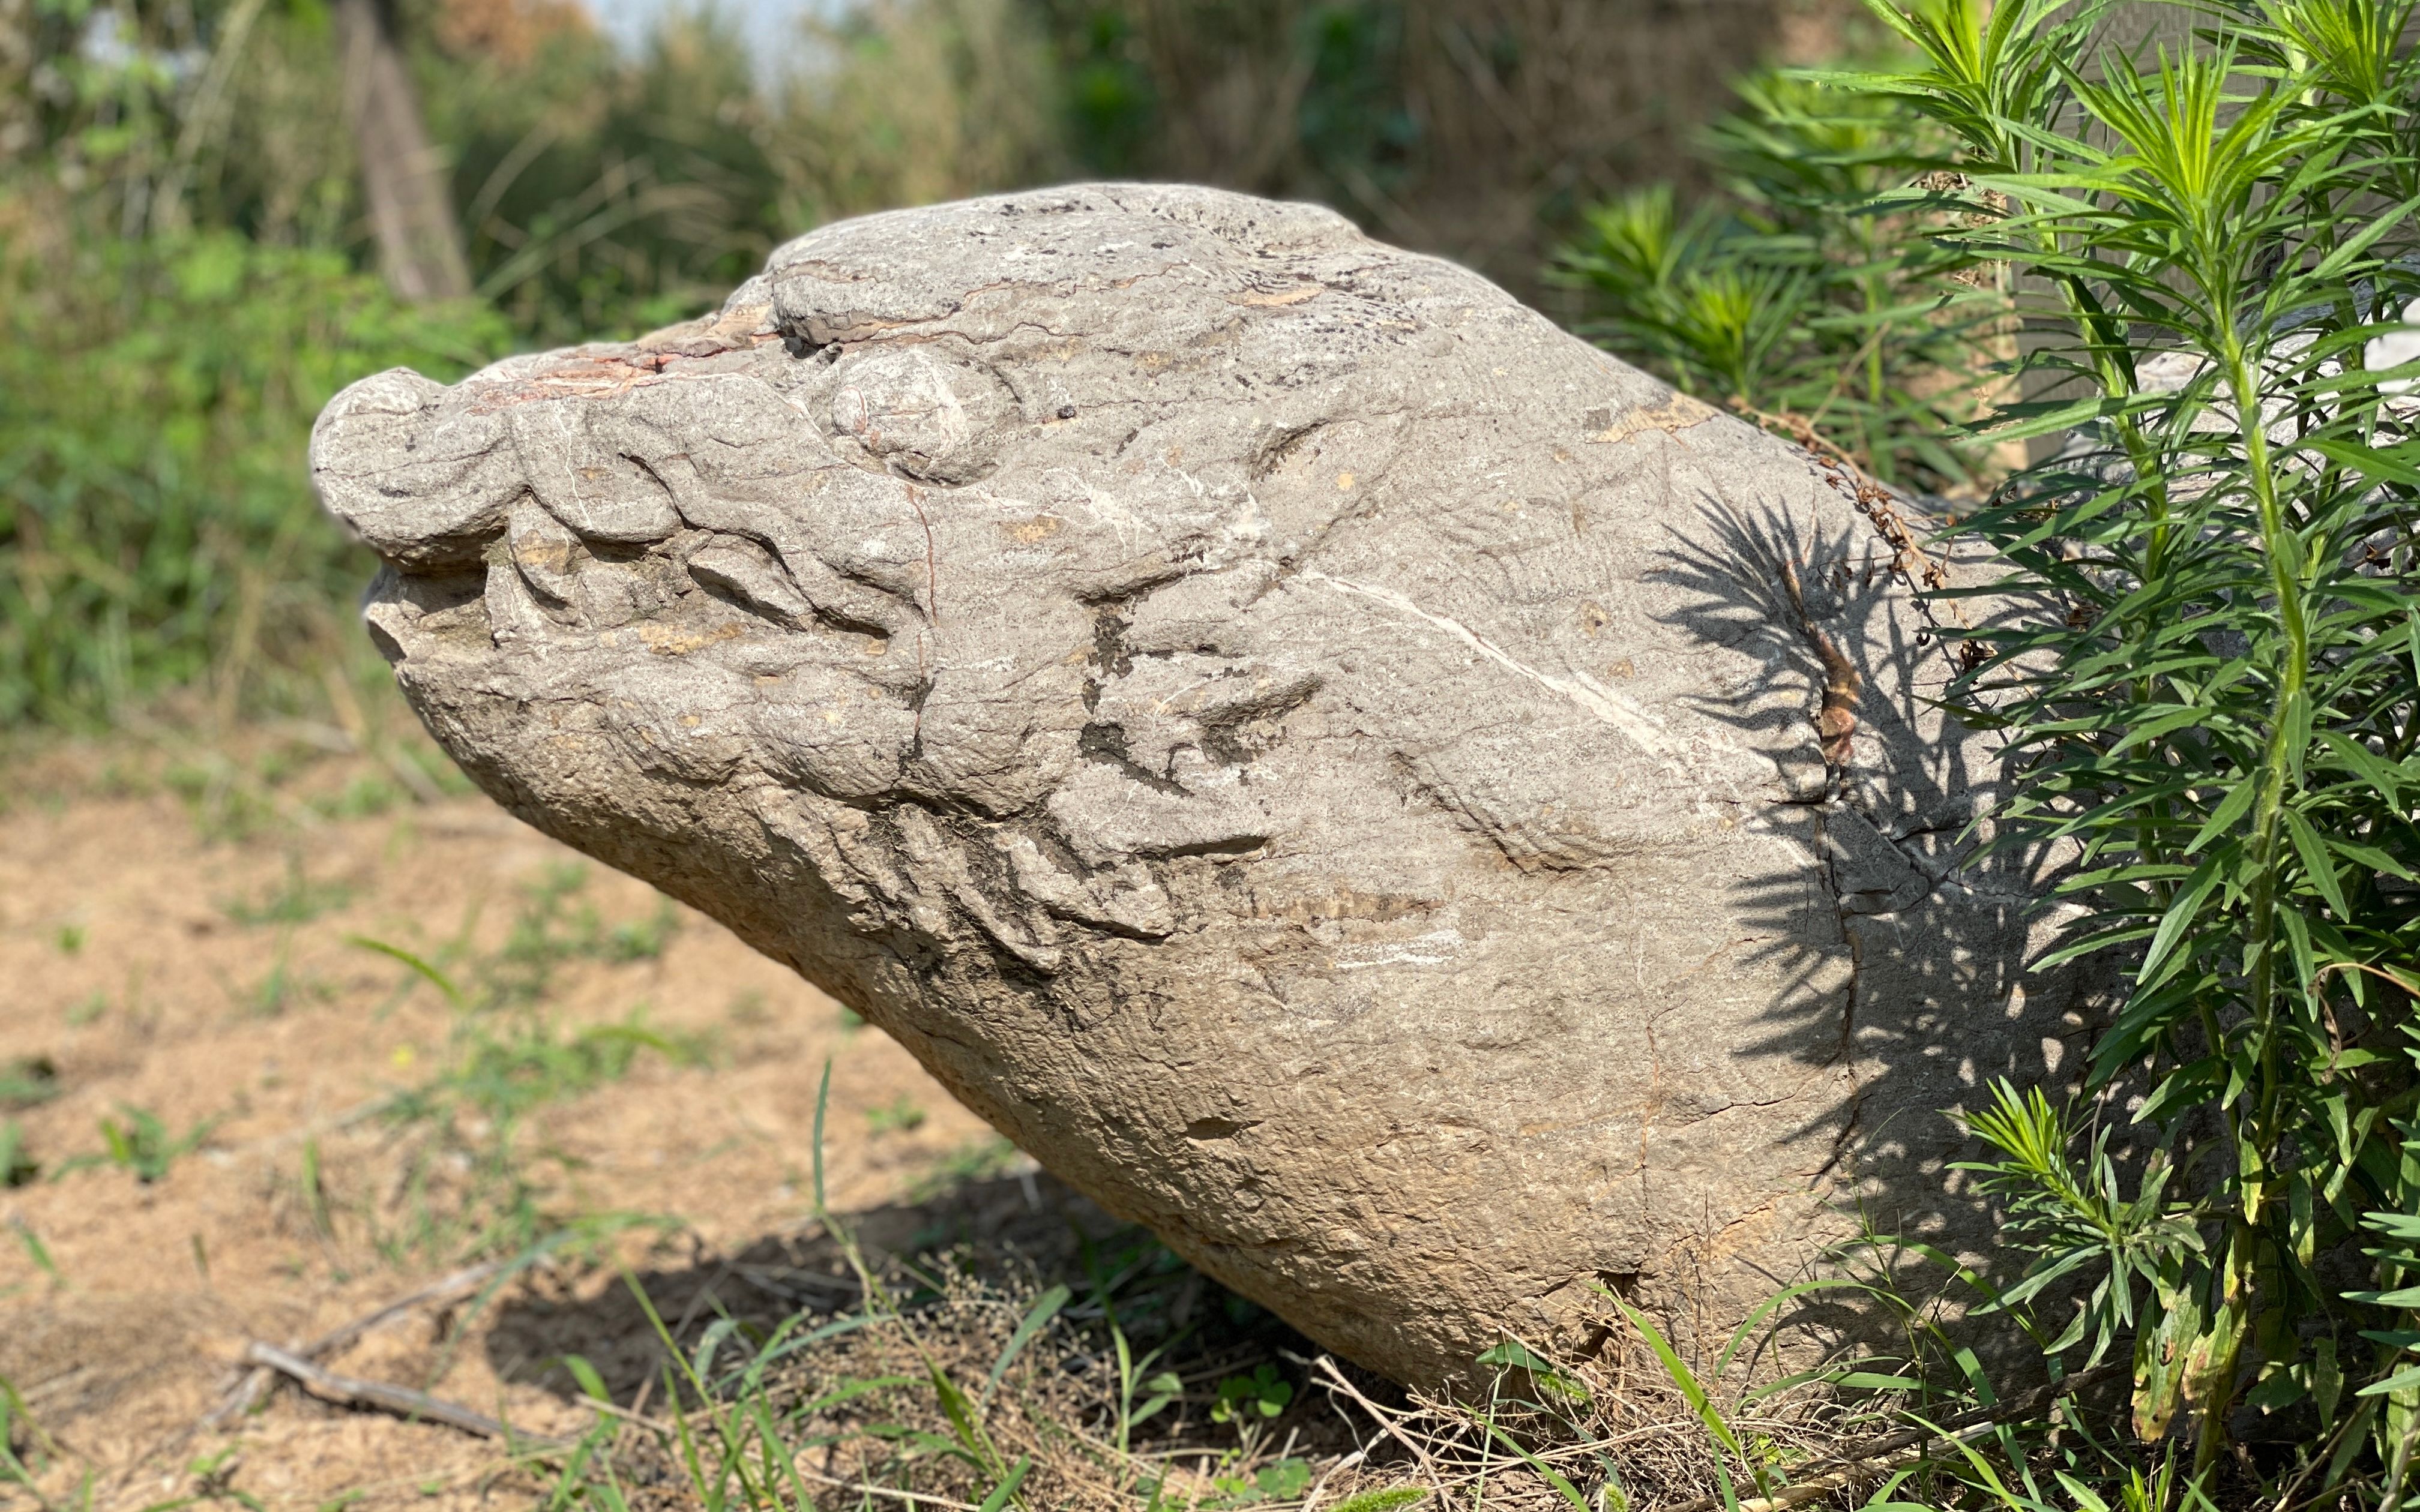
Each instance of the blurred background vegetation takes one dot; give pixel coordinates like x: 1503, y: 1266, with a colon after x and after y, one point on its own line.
x: 213, y: 213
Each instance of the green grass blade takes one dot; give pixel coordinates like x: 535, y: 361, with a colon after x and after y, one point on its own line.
x: 1692, y: 1390
x: 1563, y: 1487
x: 823, y: 1101
x: 429, y: 973
x: 1765, y: 1309
x: 1006, y: 1489
x: 1036, y: 1318
x: 1387, y: 1499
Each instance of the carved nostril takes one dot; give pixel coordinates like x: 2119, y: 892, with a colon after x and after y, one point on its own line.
x: 422, y: 477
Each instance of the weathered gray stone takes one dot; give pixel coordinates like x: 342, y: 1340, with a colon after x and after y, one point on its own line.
x: 1323, y: 759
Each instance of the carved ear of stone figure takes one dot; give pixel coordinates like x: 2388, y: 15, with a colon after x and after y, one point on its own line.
x: 1416, y: 811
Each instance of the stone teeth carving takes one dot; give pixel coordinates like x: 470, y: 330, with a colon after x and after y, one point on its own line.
x: 1325, y: 761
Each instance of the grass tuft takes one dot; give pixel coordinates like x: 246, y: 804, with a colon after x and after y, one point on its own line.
x: 138, y: 1143
x: 26, y: 1081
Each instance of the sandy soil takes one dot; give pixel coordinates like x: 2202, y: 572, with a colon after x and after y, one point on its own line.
x: 172, y: 947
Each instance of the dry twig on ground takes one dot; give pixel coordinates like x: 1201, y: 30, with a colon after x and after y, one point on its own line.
x: 255, y: 1381
x: 351, y: 1391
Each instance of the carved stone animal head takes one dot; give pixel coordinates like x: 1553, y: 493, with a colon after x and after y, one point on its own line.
x: 1325, y: 760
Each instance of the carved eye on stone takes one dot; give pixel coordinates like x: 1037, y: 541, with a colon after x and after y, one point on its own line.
x: 926, y: 413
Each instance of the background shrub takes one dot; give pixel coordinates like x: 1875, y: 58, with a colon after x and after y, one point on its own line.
x: 1788, y: 298
x: 156, y: 526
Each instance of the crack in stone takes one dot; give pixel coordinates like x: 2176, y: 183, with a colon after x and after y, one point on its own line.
x: 1828, y: 871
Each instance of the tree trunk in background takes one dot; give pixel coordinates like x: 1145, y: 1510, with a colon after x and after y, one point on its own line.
x: 403, y: 180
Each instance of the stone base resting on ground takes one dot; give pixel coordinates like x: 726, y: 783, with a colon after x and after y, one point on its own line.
x: 1426, y: 818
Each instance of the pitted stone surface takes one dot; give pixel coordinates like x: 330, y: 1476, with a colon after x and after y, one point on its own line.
x: 1320, y: 756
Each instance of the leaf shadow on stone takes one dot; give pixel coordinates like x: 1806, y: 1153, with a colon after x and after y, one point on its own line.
x: 1901, y: 952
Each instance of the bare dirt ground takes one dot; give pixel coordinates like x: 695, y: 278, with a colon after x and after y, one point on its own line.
x: 294, y: 1035
x: 280, y: 1043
